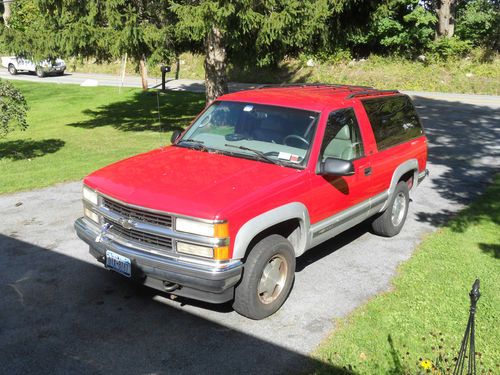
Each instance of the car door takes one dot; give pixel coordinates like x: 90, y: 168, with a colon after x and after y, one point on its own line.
x: 340, y: 201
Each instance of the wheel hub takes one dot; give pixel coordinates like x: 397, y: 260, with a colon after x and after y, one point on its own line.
x: 398, y: 209
x: 273, y: 279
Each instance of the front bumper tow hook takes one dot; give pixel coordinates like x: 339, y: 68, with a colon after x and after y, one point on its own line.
x: 170, y: 287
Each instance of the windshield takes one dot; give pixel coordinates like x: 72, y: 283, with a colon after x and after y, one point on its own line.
x: 263, y: 132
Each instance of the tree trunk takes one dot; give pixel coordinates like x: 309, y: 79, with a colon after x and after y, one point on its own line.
x: 6, y: 13
x: 446, y: 18
x: 177, y: 67
x: 144, y: 73
x: 215, y: 65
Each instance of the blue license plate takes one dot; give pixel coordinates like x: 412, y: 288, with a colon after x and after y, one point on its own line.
x: 118, y: 263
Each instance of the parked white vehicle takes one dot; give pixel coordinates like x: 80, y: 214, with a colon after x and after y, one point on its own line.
x: 15, y: 64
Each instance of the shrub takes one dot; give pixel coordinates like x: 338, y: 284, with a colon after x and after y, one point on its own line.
x: 446, y: 48
x: 13, y: 109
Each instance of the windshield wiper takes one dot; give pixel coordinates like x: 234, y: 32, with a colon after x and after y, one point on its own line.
x: 257, y: 152
x: 200, y: 144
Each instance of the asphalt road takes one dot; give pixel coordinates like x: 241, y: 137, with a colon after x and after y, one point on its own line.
x: 61, y: 312
x: 115, y: 80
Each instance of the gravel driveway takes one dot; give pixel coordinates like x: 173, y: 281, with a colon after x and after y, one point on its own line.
x: 62, y: 313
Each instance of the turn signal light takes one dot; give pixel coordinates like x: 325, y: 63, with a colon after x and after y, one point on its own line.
x: 221, y: 230
x: 221, y: 253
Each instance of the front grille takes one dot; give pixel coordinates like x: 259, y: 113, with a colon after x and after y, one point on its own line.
x: 138, y: 214
x: 143, y: 238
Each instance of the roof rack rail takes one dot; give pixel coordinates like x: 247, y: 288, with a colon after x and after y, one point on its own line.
x: 373, y: 92
x: 326, y: 85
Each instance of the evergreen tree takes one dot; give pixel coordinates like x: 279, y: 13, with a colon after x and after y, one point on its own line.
x: 258, y: 31
x: 103, y: 30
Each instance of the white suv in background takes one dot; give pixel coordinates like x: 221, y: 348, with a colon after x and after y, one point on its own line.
x: 43, y: 68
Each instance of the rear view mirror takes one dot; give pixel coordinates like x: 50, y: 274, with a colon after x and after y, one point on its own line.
x: 175, y: 136
x: 337, y: 167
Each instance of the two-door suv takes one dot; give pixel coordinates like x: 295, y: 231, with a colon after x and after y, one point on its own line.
x: 260, y: 177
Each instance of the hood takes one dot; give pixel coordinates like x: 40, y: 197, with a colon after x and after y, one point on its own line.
x: 191, y: 182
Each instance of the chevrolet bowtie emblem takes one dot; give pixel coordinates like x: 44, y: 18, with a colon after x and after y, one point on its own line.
x: 127, y: 223
x: 104, y: 230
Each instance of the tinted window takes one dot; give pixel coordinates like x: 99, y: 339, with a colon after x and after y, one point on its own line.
x: 342, y: 139
x: 394, y: 120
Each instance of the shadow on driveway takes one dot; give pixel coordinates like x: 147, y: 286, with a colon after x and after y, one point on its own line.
x: 60, y: 315
x: 464, y: 145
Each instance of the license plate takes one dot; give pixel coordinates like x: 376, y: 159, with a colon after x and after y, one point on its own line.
x: 118, y: 263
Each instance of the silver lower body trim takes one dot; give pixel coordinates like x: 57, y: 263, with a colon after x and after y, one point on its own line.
x: 330, y: 227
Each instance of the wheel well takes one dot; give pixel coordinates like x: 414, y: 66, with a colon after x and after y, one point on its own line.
x: 408, y: 177
x: 290, y: 229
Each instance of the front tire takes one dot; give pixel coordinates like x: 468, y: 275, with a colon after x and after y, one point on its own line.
x: 391, y: 221
x: 268, y: 276
x: 12, y: 69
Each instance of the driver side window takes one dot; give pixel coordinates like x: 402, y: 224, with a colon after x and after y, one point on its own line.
x: 342, y: 139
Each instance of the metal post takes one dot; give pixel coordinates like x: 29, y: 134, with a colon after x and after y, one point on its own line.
x: 164, y: 70
x: 468, y: 340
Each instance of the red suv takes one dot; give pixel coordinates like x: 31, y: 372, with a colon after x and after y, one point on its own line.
x: 259, y: 177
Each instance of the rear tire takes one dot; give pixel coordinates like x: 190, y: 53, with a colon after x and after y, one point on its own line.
x: 391, y: 221
x: 12, y: 69
x: 268, y: 276
x: 39, y: 72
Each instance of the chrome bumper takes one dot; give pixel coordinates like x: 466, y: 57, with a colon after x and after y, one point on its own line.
x: 207, y: 283
x: 53, y: 69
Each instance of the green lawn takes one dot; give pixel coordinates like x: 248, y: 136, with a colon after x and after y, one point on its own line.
x: 75, y: 130
x: 425, y: 315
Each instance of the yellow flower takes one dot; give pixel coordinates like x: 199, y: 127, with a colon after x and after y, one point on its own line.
x: 426, y: 364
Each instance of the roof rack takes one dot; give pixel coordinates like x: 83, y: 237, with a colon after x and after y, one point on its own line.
x: 373, y: 92
x: 318, y: 85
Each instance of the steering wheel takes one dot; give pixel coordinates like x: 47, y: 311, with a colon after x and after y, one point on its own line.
x: 293, y: 136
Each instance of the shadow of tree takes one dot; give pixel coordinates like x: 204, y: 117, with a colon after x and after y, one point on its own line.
x: 62, y: 315
x: 29, y: 149
x: 463, y: 144
x: 492, y: 249
x: 176, y: 110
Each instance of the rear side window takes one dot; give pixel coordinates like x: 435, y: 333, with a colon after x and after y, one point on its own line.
x: 394, y: 120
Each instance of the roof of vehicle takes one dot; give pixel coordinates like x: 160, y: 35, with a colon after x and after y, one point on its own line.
x: 312, y: 97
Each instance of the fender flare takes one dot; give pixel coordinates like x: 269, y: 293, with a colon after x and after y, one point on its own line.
x: 266, y: 220
x: 407, y: 166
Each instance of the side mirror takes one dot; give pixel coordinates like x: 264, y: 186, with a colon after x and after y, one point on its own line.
x: 337, y: 167
x: 175, y: 136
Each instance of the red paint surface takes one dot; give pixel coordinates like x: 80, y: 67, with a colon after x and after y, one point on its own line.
x: 214, y: 186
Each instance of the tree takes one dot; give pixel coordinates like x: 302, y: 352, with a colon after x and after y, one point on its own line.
x: 445, y: 10
x: 6, y: 12
x: 479, y: 22
x: 103, y: 30
x: 13, y: 109
x: 260, y: 32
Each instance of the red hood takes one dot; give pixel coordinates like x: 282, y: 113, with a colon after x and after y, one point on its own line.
x: 191, y: 182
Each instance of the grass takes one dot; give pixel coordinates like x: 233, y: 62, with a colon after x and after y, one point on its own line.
x: 472, y: 75
x: 75, y: 130
x: 425, y: 315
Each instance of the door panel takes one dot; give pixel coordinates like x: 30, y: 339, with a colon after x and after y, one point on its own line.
x: 333, y: 194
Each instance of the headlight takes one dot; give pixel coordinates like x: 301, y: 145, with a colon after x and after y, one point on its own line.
x: 201, y: 228
x: 90, y: 195
x: 188, y: 248
x: 91, y: 215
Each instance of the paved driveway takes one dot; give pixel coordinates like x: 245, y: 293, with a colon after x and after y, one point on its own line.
x: 61, y: 312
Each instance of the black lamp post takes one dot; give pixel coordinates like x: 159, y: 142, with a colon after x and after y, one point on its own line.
x: 468, y: 340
